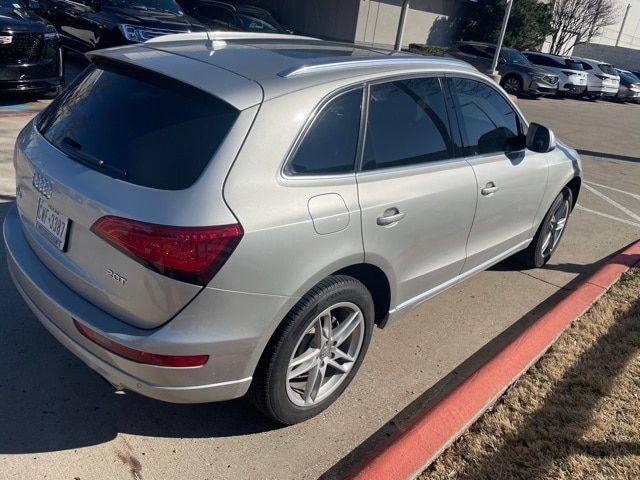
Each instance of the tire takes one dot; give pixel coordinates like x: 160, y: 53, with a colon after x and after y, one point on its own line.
x: 545, y: 242
x: 289, y: 400
x: 512, y: 84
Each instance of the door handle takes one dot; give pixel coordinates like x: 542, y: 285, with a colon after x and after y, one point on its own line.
x: 391, y: 215
x: 489, y: 189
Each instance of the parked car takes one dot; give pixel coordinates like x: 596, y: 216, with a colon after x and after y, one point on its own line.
x: 234, y: 17
x: 572, y: 79
x: 224, y: 225
x: 629, y: 89
x: 30, y: 56
x: 518, y: 74
x: 90, y: 24
x: 602, y: 78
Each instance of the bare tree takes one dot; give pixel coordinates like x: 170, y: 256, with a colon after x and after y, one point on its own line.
x: 578, y: 21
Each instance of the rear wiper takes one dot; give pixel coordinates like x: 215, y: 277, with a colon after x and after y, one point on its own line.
x: 89, y: 159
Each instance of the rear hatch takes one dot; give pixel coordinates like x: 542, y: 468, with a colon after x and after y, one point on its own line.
x: 129, y: 145
x: 575, y: 72
x: 609, y: 76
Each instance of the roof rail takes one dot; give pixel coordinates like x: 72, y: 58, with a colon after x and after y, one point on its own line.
x: 396, y: 61
x: 217, y: 35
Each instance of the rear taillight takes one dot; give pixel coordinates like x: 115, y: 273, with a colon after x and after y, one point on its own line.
x: 634, y: 87
x: 175, y: 361
x: 568, y: 74
x: 189, y: 254
x: 602, y: 77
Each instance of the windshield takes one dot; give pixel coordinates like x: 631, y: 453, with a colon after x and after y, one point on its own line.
x: 573, y: 64
x: 158, y: 5
x: 514, y: 56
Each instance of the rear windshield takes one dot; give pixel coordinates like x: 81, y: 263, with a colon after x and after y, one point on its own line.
x: 137, y: 126
x: 573, y: 64
x: 608, y: 69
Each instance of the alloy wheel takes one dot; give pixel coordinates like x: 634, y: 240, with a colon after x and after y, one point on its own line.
x: 512, y: 85
x: 325, y: 354
x: 555, y: 228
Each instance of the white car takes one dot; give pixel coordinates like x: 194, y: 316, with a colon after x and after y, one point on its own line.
x: 572, y: 79
x: 602, y: 79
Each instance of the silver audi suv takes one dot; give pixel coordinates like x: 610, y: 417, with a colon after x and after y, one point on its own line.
x: 205, y: 216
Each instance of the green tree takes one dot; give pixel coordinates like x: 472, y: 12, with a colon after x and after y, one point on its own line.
x: 529, y: 23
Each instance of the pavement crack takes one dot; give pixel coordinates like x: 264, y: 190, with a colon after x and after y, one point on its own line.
x: 561, y: 287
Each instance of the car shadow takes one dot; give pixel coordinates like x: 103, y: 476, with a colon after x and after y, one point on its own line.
x: 51, y: 401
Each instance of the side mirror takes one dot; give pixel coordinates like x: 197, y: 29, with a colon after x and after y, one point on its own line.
x: 34, y: 5
x: 540, y: 139
x: 502, y: 61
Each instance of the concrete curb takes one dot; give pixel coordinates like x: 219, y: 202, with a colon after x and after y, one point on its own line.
x: 424, y: 438
x: 17, y: 114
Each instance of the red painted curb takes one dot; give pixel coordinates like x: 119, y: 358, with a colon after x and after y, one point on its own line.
x: 430, y: 432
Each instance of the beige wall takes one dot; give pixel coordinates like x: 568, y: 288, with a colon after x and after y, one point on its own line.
x: 373, y: 22
x: 427, y: 22
x: 630, y: 37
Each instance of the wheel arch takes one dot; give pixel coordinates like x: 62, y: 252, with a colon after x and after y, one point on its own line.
x: 377, y: 282
x: 574, y: 185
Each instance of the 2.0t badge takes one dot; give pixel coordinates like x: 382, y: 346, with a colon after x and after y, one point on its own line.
x: 117, y: 277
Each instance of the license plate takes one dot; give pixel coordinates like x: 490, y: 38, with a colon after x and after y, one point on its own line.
x: 52, y: 224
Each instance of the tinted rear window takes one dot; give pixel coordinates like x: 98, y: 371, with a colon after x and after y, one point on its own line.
x: 608, y: 69
x: 573, y: 64
x: 139, y: 127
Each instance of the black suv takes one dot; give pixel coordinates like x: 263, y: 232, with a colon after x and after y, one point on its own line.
x: 227, y: 16
x: 518, y: 74
x: 86, y: 25
x: 30, y: 57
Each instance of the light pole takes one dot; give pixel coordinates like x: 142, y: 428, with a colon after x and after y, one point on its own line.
x: 401, y: 24
x: 494, y: 64
x: 624, y: 20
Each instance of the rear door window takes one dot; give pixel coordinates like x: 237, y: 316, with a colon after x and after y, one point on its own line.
x: 330, y: 144
x: 490, y: 123
x: 407, y: 124
x: 137, y: 126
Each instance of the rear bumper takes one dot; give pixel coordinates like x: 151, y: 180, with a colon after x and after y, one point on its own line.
x: 234, y: 351
x: 602, y: 90
x: 572, y: 89
x: 628, y: 95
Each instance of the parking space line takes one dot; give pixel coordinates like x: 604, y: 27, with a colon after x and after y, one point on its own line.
x: 613, y: 202
x: 606, y: 215
x: 634, y: 195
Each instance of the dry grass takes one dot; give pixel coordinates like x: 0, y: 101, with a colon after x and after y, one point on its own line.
x: 575, y: 414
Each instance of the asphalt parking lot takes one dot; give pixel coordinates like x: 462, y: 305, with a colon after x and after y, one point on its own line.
x: 60, y: 420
